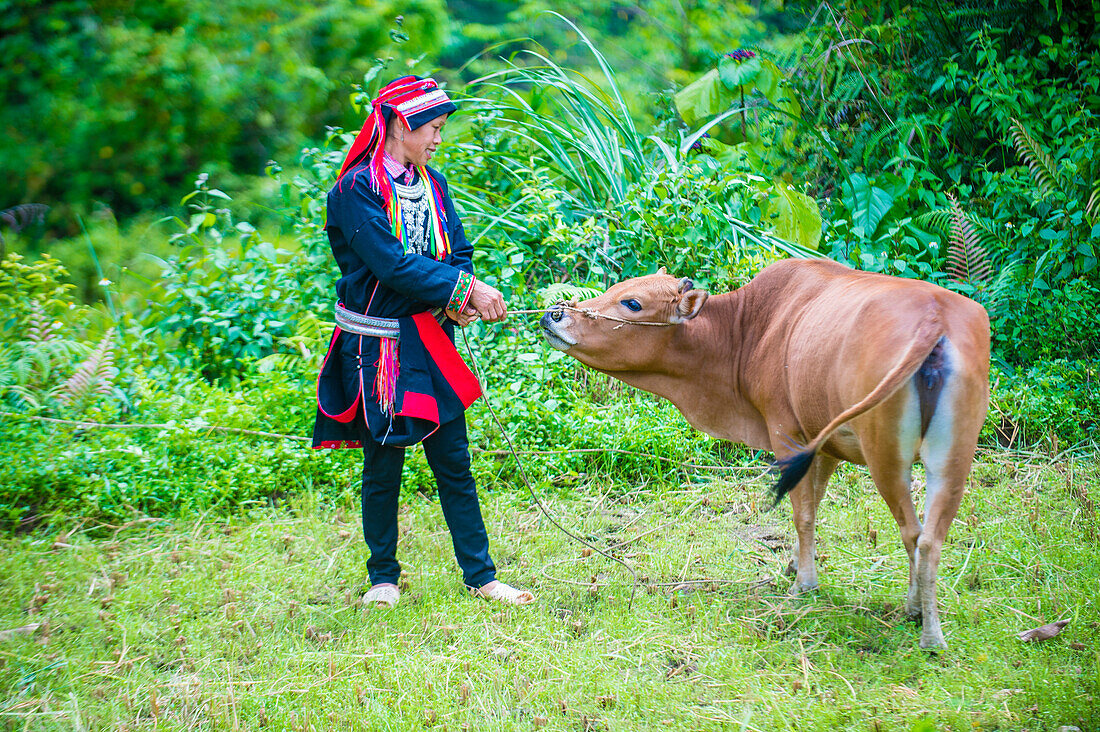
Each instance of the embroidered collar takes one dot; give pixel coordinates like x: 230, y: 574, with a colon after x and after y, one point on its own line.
x: 396, y: 169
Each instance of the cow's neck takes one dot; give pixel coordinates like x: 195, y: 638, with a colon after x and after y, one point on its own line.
x: 700, y: 370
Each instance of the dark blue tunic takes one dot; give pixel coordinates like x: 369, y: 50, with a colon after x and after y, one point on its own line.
x: 375, y: 269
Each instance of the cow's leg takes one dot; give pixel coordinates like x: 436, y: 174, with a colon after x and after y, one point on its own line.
x: 894, y: 431
x: 947, y: 453
x: 805, y: 499
x: 892, y: 475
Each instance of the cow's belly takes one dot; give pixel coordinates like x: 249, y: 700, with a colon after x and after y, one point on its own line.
x: 891, y: 428
x: 845, y: 445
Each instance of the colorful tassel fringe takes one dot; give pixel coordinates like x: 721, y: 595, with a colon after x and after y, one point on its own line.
x: 385, y: 379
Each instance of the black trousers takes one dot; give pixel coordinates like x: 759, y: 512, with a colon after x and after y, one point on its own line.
x: 448, y: 454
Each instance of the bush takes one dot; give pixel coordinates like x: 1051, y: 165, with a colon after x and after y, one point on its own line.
x: 1052, y: 404
x: 51, y: 357
x: 1050, y: 323
x: 176, y: 470
x: 138, y: 98
x: 229, y: 303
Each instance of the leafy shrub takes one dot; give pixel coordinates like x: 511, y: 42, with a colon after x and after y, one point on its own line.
x: 174, y: 470
x: 139, y: 98
x: 229, y: 304
x: 565, y: 187
x: 993, y: 105
x: 32, y: 291
x: 1061, y: 323
x: 1054, y: 404
x: 44, y: 339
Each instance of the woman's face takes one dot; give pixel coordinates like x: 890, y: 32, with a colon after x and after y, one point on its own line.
x: 419, y: 145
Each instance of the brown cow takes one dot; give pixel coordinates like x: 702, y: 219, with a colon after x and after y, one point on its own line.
x: 817, y: 363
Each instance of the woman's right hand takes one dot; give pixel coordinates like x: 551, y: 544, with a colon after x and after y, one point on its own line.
x: 488, y: 302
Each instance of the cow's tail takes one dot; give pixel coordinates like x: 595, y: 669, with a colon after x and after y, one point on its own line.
x: 793, y: 468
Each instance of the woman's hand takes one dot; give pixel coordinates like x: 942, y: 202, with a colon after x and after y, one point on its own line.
x: 487, y: 302
x: 467, y: 316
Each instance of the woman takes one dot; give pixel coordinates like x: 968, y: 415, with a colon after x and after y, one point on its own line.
x: 392, y: 376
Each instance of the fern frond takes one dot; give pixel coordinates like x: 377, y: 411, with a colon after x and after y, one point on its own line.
x: 875, y: 140
x: 304, y: 350
x: 847, y: 88
x: 281, y: 362
x: 39, y: 326
x: 34, y: 361
x: 967, y: 260
x: 938, y: 220
x: 942, y: 221
x: 1092, y: 208
x: 1044, y: 170
x: 91, y: 378
x: 565, y: 292
x: 19, y: 398
x: 1006, y: 280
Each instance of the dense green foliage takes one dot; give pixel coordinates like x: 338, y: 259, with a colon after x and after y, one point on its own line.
x: 971, y: 137
x: 919, y: 140
x: 140, y: 96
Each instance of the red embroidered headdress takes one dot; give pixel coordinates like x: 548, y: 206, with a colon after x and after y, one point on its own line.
x: 415, y: 101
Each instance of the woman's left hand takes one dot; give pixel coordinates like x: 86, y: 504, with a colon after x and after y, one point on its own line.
x: 467, y: 316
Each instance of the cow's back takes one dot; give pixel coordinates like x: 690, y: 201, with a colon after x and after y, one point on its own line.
x: 825, y: 335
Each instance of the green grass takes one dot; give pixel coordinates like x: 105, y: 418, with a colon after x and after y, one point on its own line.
x: 253, y: 620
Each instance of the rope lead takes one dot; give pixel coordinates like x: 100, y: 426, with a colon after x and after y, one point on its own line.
x: 531, y: 488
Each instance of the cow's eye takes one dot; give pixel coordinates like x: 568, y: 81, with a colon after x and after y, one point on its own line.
x: 633, y: 305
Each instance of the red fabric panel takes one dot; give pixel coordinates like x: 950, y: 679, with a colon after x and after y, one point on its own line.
x: 443, y: 353
x: 418, y: 405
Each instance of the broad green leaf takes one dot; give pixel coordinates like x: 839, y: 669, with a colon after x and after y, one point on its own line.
x: 702, y: 98
x: 737, y: 74
x: 767, y: 81
x: 798, y: 219
x: 867, y: 203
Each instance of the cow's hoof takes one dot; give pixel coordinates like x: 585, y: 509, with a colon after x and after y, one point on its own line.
x: 792, y: 568
x: 914, y: 613
x: 799, y: 588
x: 933, y: 642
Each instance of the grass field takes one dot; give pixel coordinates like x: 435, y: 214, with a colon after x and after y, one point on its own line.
x: 254, y: 621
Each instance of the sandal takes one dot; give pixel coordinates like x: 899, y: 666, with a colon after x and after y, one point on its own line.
x: 384, y: 595
x: 500, y: 592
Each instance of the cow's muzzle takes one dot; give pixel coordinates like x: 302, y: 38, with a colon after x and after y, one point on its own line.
x: 552, y: 332
x: 553, y: 315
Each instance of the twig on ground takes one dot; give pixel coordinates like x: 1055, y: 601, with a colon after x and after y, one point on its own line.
x: 84, y: 424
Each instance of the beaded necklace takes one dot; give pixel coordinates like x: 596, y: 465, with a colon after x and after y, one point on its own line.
x: 439, y: 242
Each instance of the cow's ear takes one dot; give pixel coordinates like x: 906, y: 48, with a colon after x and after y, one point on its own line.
x: 690, y: 304
x: 662, y: 270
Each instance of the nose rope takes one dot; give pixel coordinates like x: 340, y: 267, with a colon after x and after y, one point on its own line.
x: 592, y: 314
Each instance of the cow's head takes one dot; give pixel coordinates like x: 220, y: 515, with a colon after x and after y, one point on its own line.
x: 598, y: 336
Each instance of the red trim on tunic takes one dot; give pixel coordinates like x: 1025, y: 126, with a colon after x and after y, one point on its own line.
x: 348, y: 414
x: 443, y: 353
x: 337, y: 444
x: 469, y: 292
